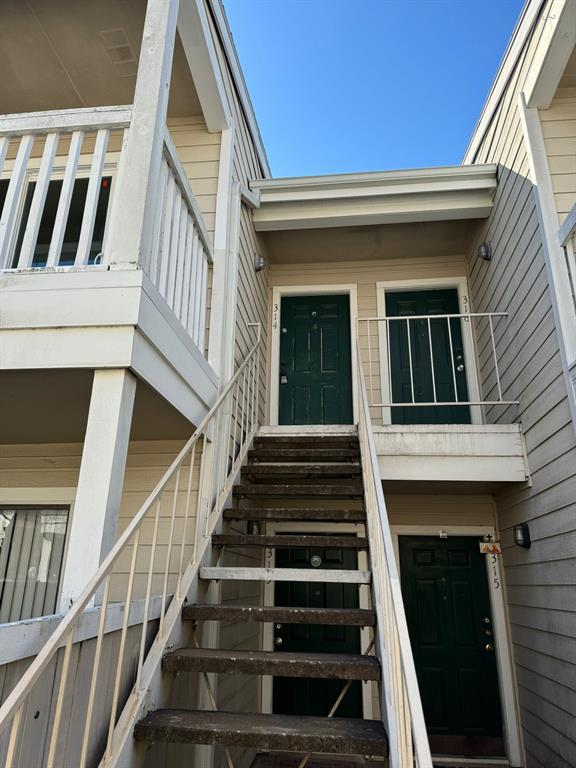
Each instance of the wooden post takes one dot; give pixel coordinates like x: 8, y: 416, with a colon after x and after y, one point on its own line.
x: 139, y: 169
x: 95, y: 512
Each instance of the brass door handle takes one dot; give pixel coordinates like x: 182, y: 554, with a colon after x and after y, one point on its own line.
x: 489, y: 647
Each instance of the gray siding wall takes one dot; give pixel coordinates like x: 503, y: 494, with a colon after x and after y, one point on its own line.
x: 540, y: 581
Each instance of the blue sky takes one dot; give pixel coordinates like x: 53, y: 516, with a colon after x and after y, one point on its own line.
x: 361, y: 85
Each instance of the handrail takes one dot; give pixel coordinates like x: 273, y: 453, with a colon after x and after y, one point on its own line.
x: 226, y: 433
x: 83, y: 119
x: 401, y: 705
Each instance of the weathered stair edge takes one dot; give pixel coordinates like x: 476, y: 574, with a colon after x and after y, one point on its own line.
x: 360, y: 617
x: 333, y: 666
x: 266, y: 732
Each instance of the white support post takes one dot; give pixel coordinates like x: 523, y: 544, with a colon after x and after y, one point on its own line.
x: 132, y: 219
x: 95, y: 513
x: 225, y: 263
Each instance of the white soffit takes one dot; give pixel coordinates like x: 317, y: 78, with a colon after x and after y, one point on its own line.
x: 429, y: 194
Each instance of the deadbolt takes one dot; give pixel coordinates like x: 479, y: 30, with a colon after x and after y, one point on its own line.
x: 486, y: 619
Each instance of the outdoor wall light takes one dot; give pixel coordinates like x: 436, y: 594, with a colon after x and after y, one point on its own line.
x: 259, y: 263
x: 485, y: 251
x: 522, y: 535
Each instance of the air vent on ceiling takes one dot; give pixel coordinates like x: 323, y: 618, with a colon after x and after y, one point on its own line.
x: 119, y: 50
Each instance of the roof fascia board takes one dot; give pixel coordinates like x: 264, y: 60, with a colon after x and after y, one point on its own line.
x: 522, y: 31
x: 231, y: 55
x: 558, y: 40
x: 315, y: 214
x: 203, y: 63
x: 410, y: 182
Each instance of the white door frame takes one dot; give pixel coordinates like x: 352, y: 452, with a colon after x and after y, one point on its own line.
x: 461, y: 285
x: 350, y: 529
x: 505, y: 666
x: 280, y: 291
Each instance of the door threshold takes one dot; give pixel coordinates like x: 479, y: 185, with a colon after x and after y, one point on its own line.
x: 309, y: 429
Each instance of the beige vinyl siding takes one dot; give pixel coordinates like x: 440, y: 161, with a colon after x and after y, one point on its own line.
x: 199, y: 153
x: 441, y: 510
x: 365, y: 275
x: 539, y: 580
x: 559, y: 130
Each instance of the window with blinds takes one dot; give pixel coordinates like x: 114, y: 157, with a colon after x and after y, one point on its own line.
x: 31, y: 552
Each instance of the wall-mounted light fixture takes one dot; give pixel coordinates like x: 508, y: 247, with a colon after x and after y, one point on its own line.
x: 259, y: 262
x: 522, y: 535
x: 485, y: 251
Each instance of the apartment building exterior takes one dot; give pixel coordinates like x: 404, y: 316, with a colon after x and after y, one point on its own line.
x: 205, y: 370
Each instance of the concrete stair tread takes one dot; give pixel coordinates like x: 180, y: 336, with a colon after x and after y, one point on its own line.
x: 309, y: 490
x: 321, y: 454
x: 323, y: 575
x: 335, y: 666
x: 286, y: 540
x: 257, y: 731
x: 299, y: 471
x: 360, y: 617
x: 295, y: 513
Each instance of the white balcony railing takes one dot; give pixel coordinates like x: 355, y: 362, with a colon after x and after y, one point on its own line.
x: 58, y: 178
x: 431, y: 361
x: 56, y: 172
x: 181, y: 252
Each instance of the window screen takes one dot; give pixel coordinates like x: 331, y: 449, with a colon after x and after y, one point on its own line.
x: 31, y: 552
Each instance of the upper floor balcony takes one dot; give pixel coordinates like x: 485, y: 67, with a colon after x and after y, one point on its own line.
x: 109, y: 164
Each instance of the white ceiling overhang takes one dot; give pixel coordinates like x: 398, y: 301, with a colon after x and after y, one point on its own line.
x: 430, y: 194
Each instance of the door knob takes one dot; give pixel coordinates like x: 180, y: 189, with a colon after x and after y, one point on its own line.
x: 278, y: 641
x: 460, y: 368
x: 489, y: 647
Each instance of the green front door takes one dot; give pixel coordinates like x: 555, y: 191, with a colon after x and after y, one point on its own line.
x: 302, y: 696
x: 447, y: 604
x: 315, y: 377
x: 445, y: 339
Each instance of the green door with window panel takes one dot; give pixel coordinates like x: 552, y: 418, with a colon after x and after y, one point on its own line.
x: 315, y: 376
x: 445, y: 590
x: 427, y: 362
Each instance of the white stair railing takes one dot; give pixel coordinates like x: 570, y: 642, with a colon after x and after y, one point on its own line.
x: 150, y: 571
x: 400, y: 703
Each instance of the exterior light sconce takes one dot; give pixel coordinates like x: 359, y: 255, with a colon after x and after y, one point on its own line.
x: 259, y: 263
x: 522, y: 535
x: 485, y: 251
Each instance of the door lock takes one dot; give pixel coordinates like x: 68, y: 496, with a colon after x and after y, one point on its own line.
x: 489, y: 648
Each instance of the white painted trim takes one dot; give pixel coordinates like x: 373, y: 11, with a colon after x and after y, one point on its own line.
x: 202, y: 59
x: 563, y: 307
x: 354, y: 529
x: 568, y: 227
x: 520, y: 35
x: 554, y: 50
x: 461, y: 285
x: 64, y: 120
x: 92, y: 529
x: 506, y: 672
x: 229, y: 49
x: 35, y: 497
x: 225, y: 270
x: 278, y: 292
